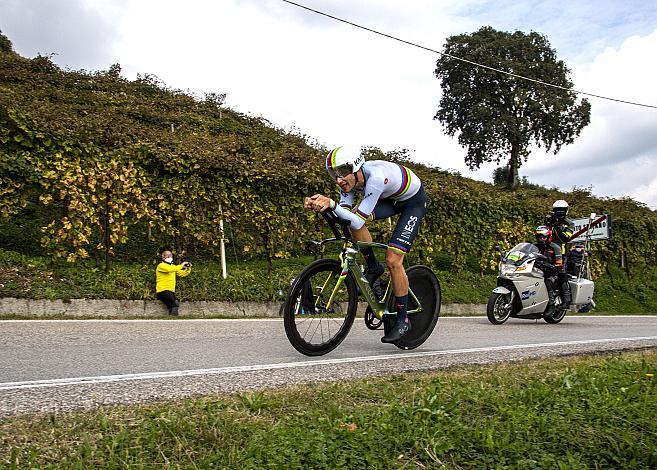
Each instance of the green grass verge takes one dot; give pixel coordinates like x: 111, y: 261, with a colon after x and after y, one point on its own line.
x: 39, y: 278
x: 577, y: 413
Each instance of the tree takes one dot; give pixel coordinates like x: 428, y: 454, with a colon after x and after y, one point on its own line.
x: 5, y: 43
x: 499, y: 116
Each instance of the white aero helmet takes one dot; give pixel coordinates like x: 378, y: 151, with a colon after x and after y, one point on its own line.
x: 560, y: 208
x: 342, y: 161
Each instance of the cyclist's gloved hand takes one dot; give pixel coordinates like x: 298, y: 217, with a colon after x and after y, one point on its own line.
x: 318, y: 203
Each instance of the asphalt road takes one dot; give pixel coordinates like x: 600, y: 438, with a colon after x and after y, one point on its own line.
x: 69, y: 364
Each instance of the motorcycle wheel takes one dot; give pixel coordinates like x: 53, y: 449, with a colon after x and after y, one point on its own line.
x: 498, y: 309
x: 557, y: 317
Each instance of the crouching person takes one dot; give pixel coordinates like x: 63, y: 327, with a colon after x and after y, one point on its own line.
x: 165, y: 280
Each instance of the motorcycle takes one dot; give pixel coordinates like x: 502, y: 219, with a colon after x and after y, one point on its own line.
x: 521, y: 291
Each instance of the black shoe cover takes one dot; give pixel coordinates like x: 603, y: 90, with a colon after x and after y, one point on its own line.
x: 399, y: 330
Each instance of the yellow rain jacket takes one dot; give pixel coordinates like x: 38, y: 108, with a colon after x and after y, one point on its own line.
x: 165, y: 276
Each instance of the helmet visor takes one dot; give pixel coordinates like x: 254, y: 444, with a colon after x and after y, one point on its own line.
x: 341, y: 171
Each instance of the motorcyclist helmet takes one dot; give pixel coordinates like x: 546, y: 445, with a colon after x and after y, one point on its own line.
x: 543, y: 234
x: 560, y: 209
x: 343, y: 161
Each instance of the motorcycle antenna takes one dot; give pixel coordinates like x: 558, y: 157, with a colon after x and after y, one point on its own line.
x: 587, y: 247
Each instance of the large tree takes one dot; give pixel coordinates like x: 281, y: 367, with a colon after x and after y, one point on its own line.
x: 498, y: 116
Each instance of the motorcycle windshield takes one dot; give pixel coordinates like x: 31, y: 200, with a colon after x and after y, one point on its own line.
x: 519, y: 253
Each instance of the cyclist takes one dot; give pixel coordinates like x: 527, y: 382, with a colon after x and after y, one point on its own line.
x: 387, y: 188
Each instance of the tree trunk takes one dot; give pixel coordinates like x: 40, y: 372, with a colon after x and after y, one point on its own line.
x: 512, y: 175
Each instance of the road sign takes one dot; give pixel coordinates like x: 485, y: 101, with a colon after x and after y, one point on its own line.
x: 600, y: 228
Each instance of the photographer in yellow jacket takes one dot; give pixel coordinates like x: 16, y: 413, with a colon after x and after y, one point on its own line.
x: 165, y: 280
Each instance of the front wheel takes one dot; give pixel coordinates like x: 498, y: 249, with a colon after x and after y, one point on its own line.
x: 422, y: 283
x: 312, y: 325
x: 499, y: 308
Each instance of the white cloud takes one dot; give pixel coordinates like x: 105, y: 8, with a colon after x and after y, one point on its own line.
x: 72, y: 30
x: 617, y: 152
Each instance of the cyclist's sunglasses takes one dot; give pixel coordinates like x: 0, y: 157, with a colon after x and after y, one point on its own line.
x: 341, y: 171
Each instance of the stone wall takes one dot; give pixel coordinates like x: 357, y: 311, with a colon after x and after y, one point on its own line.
x: 103, y: 308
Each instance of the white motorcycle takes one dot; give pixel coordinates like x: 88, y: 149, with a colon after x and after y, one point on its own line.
x: 521, y: 291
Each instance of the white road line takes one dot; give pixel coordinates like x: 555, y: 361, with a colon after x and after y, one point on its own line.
x: 138, y: 320
x: 294, y: 365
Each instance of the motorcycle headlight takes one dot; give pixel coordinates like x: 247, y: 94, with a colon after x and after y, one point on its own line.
x: 506, y: 269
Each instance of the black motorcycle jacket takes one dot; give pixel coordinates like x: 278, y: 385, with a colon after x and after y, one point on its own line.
x: 562, y: 230
x: 554, y: 262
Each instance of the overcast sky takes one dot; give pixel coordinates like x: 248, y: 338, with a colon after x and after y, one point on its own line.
x: 341, y: 85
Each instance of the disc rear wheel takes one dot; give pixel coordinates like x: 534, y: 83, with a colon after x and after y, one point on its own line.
x: 424, y: 308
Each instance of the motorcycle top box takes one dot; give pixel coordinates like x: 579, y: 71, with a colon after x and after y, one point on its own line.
x: 581, y: 290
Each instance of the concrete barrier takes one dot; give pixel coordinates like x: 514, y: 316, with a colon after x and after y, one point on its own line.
x: 106, y: 308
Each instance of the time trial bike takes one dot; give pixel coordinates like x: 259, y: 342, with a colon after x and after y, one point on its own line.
x: 322, y: 302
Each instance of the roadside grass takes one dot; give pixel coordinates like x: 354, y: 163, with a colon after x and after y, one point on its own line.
x: 39, y: 278
x: 577, y: 412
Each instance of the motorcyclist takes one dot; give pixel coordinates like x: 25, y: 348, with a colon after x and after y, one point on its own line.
x: 552, y: 265
x: 562, y: 230
x: 562, y: 227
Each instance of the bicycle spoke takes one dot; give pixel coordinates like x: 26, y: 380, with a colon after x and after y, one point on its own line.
x: 321, y: 324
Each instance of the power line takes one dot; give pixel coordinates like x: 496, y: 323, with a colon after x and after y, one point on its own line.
x: 394, y: 38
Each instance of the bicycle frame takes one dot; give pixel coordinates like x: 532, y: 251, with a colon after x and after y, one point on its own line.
x: 349, y: 265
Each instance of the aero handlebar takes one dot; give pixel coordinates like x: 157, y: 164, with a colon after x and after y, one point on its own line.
x: 333, y: 221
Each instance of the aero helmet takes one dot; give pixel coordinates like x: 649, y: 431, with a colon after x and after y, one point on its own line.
x: 342, y: 161
x: 560, y: 208
x: 543, y: 234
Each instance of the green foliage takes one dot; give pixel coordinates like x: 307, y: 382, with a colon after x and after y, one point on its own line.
x: 585, y: 412
x: 499, y: 116
x: 5, y: 44
x: 94, y: 165
x: 39, y: 277
x: 501, y: 177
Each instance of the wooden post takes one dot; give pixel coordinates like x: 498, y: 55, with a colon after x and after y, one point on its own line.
x: 222, y: 244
